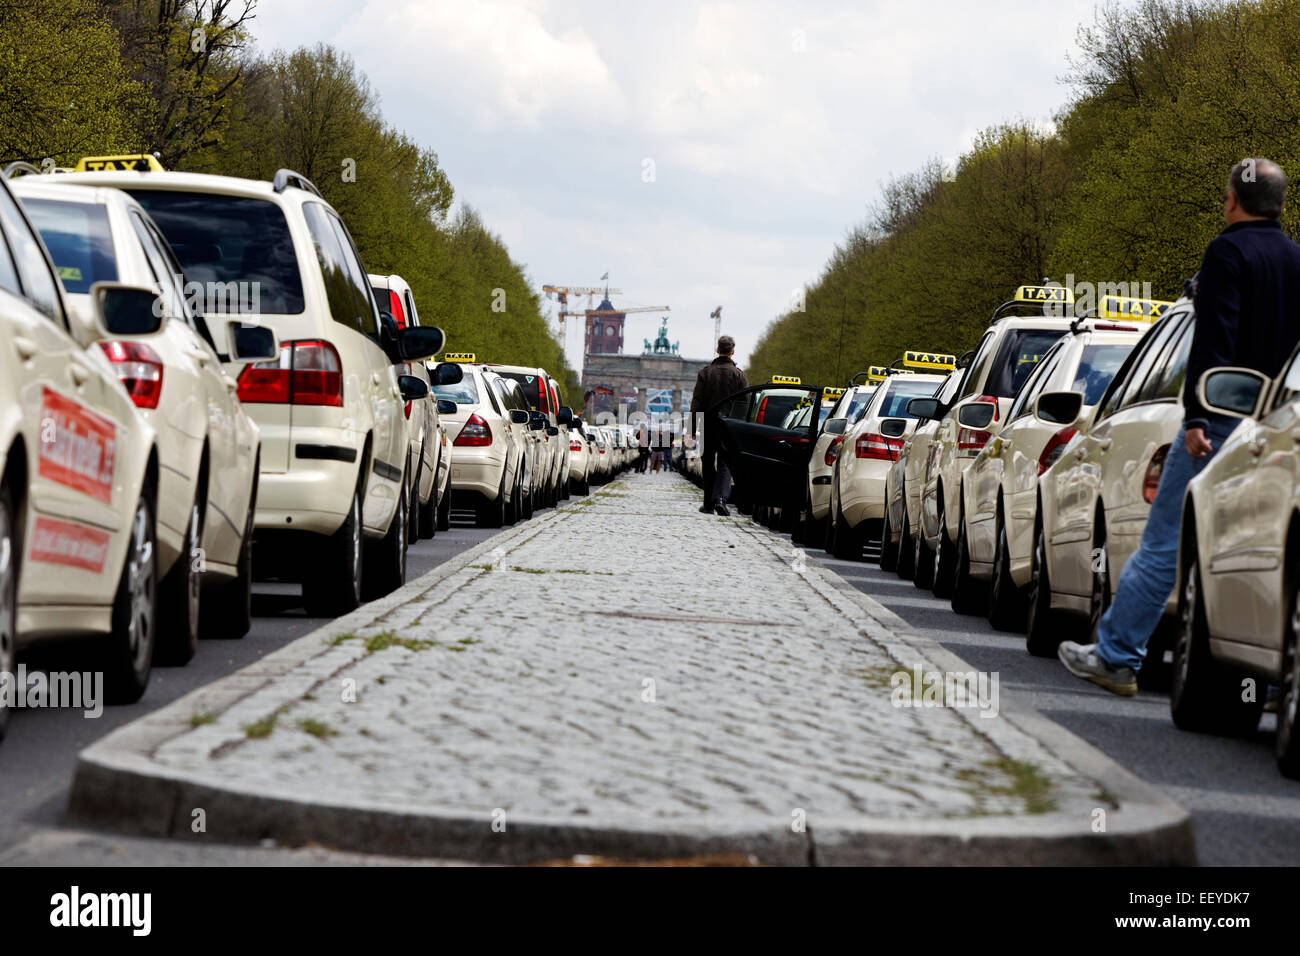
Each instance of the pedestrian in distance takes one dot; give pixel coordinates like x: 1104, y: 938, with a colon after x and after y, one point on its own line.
x: 716, y: 381
x: 1247, y: 298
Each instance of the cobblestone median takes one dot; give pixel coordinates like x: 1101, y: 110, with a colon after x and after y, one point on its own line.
x: 625, y: 660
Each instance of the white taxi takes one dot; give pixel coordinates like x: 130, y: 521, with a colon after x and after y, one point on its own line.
x: 335, y: 471
x: 207, y: 445
x: 78, y: 472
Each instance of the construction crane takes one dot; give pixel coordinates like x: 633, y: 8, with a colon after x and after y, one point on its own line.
x: 564, y: 291
x: 590, y: 314
x: 716, y: 316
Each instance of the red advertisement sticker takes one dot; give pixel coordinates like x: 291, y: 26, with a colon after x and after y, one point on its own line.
x: 77, y: 446
x: 60, y: 542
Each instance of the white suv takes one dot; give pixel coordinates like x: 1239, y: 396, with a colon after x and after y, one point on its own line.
x: 335, y: 467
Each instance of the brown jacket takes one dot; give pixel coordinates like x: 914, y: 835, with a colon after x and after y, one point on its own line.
x: 716, y: 381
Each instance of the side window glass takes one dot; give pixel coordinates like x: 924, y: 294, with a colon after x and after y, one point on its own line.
x: 492, y: 398
x: 1290, y: 383
x: 39, y: 286
x: 164, y: 278
x: 1152, y: 347
x: 366, y: 314
x: 334, y: 271
x: 412, y: 317
x: 1174, y: 370
x: 978, y: 366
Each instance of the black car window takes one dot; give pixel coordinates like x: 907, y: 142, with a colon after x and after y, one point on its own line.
x: 167, y: 282
x: 1164, y: 362
x: 235, y: 245
x: 1131, y: 375
x: 79, y: 239
x: 1018, y: 355
x: 979, y: 363
x: 1173, y: 368
x: 367, y: 314
x: 339, y: 293
x: 1024, y: 403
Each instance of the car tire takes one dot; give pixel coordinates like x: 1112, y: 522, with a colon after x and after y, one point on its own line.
x: 848, y: 541
x: 1006, y: 601
x: 513, y: 512
x: 333, y: 587
x: 492, y: 514
x: 444, y: 509
x: 10, y: 556
x: 924, y: 561
x: 906, y: 567
x: 385, y: 567
x: 888, y: 548
x: 127, y: 656
x: 1288, y: 737
x: 179, y: 595
x: 565, y: 490
x: 945, y: 563
x: 1100, y: 595
x: 428, y: 521
x: 968, y: 593
x: 1043, y: 631
x: 1205, y: 696
x: 228, y: 605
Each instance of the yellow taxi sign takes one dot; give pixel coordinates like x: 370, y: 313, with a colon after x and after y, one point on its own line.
x: 934, y: 360
x: 1126, y: 307
x: 877, y: 373
x: 830, y: 393
x: 137, y: 162
x: 786, y: 380
x: 458, y: 357
x: 1043, y: 293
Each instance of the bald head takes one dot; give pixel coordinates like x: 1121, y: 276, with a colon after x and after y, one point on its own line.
x: 1259, y: 186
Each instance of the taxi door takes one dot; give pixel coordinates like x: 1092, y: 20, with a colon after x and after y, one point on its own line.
x: 768, y: 462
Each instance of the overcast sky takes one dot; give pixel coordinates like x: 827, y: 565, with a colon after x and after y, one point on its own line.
x: 770, y: 125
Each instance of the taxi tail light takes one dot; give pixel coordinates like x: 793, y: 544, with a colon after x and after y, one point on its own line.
x: 543, y: 397
x: 972, y: 439
x: 1151, y: 480
x: 475, y: 434
x: 833, y: 451
x: 308, y: 372
x: 395, y: 309
x: 762, y: 411
x: 1055, y: 448
x: 140, y: 370
x: 575, y: 445
x: 881, y: 447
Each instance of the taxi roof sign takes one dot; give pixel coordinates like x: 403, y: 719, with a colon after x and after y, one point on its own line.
x: 877, y: 373
x: 137, y: 162
x: 458, y: 356
x: 934, y: 360
x: 786, y: 380
x: 830, y: 393
x: 1043, y: 293
x: 1127, y: 307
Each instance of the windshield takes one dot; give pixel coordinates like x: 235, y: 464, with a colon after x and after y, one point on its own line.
x: 230, y: 239
x: 79, y: 241
x: 1019, y: 354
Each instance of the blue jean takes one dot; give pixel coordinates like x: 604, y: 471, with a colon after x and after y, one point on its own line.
x: 1151, y: 573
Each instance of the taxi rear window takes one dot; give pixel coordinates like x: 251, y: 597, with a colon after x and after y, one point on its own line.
x: 528, y: 383
x: 79, y: 240
x: 230, y: 239
x: 901, y: 391
x: 1020, y: 352
x: 464, y: 392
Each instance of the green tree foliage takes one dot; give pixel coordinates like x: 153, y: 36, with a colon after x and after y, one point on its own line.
x: 1128, y: 187
x: 65, y: 87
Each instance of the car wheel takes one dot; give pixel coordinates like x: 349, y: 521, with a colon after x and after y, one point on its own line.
x: 513, y: 512
x: 1006, y: 601
x: 444, y: 509
x: 178, y: 598
x: 333, y: 587
x: 228, y: 605
x: 923, y: 559
x: 1205, y: 696
x: 386, y: 564
x: 966, y: 590
x: 1288, y: 740
x: 9, y: 558
x: 906, y: 550
x: 848, y: 541
x: 945, y: 563
x: 427, y: 514
x: 1043, y: 632
x: 1101, y: 593
x: 888, y: 548
x: 492, y: 514
x: 128, y: 650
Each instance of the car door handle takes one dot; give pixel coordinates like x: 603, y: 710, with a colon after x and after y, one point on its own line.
x: 1103, y: 444
x: 200, y: 356
x: 1258, y: 446
x: 79, y: 373
x: 1079, y: 454
x: 25, y: 347
x: 374, y: 377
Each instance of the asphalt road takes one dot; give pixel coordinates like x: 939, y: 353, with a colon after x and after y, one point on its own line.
x: 40, y: 750
x: 1245, y: 813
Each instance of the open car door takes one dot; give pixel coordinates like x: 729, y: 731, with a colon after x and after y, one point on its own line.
x: 768, y: 460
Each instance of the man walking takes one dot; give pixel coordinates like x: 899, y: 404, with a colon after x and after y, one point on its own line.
x: 715, y: 382
x: 1247, y: 297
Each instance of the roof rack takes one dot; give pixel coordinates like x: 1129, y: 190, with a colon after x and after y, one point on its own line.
x: 284, y: 178
x: 20, y: 167
x: 964, y: 359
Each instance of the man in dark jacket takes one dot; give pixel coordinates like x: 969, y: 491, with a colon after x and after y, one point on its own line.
x: 1247, y: 298
x: 715, y: 382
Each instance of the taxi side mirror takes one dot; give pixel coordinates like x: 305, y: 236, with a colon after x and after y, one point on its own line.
x: 552, y: 430
x: 1235, y: 392
x: 252, y: 343
x: 564, y: 416
x: 413, y: 388
x: 418, y: 343
x: 977, y: 415
x: 893, y: 427
x: 519, y: 416
x: 446, y: 406
x: 448, y: 373
x: 1058, y: 408
x: 837, y: 426
x: 122, y: 309
x: 923, y: 408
